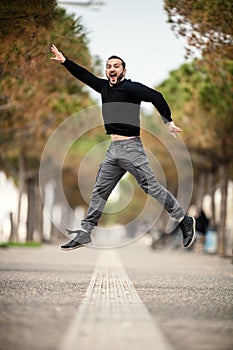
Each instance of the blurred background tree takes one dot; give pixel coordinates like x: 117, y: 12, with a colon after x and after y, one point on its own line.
x: 35, y: 94
x: 201, y: 93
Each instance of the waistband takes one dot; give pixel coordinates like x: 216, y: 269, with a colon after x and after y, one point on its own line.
x: 123, y: 142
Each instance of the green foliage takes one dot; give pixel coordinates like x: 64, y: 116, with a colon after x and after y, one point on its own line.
x: 37, y: 94
x: 19, y: 17
x: 202, y: 108
x: 207, y: 24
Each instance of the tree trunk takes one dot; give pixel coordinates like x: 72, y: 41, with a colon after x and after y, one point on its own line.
x: 21, y: 186
x: 13, y: 233
x: 200, y: 190
x: 212, y: 195
x: 38, y: 213
x: 224, y: 169
x: 31, y: 209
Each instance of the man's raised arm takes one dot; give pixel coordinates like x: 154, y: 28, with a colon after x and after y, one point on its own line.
x: 77, y: 71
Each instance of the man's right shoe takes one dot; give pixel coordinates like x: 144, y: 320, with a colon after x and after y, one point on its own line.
x: 82, y: 237
x: 187, y: 226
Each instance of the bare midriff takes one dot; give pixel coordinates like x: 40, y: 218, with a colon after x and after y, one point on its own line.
x: 115, y: 137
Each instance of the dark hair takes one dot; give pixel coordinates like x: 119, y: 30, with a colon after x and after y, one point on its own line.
x: 117, y: 57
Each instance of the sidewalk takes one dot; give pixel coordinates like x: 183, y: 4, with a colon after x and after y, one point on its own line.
x: 128, y: 297
x: 189, y: 294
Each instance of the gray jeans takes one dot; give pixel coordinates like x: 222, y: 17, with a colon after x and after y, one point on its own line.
x: 122, y: 156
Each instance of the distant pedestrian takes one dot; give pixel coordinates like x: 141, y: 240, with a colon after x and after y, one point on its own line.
x: 121, y: 99
x: 202, y: 223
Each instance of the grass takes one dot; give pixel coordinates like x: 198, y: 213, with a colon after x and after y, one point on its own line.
x: 29, y: 244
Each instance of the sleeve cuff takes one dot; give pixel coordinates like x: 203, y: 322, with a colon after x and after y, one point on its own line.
x: 166, y: 120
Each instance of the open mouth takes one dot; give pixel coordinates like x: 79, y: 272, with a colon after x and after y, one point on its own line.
x: 113, y: 78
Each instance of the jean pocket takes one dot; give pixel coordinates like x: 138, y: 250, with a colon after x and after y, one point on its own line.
x: 136, y: 155
x: 133, y: 147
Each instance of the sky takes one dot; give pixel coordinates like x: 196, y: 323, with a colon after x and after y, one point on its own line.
x: 138, y: 32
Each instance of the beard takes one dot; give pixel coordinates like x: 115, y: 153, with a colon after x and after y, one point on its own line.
x: 120, y: 77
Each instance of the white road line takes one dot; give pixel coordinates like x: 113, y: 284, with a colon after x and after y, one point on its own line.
x: 112, y: 315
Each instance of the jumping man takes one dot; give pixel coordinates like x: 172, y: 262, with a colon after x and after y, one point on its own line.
x: 121, y: 99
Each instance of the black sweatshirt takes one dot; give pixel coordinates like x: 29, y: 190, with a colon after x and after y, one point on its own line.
x: 121, y: 103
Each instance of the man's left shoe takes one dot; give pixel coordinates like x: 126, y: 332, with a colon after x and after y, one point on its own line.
x: 187, y: 226
x: 82, y: 237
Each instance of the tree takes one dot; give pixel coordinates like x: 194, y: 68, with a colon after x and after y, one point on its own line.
x: 35, y: 96
x: 207, y: 26
x: 206, y: 118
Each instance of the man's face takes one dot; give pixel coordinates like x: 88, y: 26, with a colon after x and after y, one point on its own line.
x: 114, y: 71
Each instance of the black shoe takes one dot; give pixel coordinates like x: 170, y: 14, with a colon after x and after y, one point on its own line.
x: 187, y: 227
x: 81, y: 238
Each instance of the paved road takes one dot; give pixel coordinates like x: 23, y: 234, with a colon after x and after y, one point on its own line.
x: 44, y: 299
x: 189, y: 294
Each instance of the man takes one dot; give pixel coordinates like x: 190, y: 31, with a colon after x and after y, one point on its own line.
x: 121, y: 99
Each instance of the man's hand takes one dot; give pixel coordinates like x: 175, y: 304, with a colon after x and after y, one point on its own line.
x: 173, y: 129
x: 58, y: 56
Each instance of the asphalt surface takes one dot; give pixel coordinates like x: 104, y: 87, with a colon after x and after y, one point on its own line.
x: 188, y: 294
